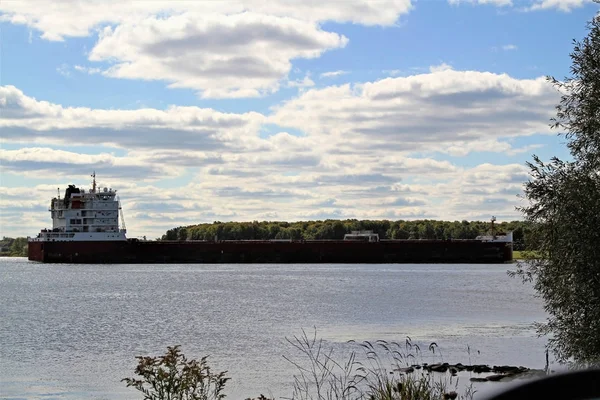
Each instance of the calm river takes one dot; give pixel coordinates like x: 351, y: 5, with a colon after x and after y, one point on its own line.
x: 73, y: 331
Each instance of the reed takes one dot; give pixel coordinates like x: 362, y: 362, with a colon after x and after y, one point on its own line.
x: 382, y: 370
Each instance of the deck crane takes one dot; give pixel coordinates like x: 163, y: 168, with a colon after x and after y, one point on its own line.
x: 123, y: 227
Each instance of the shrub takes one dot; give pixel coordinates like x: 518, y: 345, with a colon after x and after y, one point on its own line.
x: 173, y: 377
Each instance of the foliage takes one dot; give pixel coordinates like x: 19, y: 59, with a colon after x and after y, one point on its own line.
x: 335, y: 229
x: 564, y: 213
x: 16, y: 247
x: 378, y: 372
x: 578, y: 112
x: 565, y: 204
x: 525, y: 255
x: 173, y: 377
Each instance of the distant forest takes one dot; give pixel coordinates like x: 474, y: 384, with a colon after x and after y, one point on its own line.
x: 14, y: 247
x: 335, y: 229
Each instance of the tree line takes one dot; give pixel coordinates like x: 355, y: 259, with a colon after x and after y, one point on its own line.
x: 13, y: 247
x: 336, y: 229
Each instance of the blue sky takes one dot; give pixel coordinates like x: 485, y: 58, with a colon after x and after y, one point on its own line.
x: 386, y: 109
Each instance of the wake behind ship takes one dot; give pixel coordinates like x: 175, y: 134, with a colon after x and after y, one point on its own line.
x: 85, y: 229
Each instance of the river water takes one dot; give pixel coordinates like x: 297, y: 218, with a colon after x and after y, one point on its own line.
x: 72, y: 331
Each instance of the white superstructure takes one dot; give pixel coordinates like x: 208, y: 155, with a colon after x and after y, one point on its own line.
x: 82, y: 215
x: 507, y: 238
x: 365, y: 236
x: 492, y: 237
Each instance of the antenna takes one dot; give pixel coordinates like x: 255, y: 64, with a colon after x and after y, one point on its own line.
x: 94, y: 182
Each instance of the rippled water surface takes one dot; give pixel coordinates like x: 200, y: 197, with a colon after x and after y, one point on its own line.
x: 73, y: 331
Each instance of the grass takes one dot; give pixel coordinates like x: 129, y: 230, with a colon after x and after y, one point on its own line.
x: 380, y: 370
x: 375, y: 371
x: 526, y: 255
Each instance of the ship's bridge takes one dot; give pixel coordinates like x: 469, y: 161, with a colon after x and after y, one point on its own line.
x: 85, y: 215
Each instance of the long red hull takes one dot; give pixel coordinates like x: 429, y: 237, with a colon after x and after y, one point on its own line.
x: 385, y: 251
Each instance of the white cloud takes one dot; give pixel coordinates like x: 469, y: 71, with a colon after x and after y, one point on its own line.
x: 447, y: 111
x: 562, y: 5
x: 524, y: 149
x: 57, y: 20
x: 27, y: 120
x: 439, y: 68
x: 331, y: 74
x: 464, y: 193
x: 33, y: 161
x: 303, y: 83
x: 359, y: 151
x: 221, y: 49
x: 87, y: 70
x: 506, y: 47
x: 242, y: 55
x: 501, y: 3
x: 393, y: 72
x: 368, y: 150
x: 532, y: 5
x: 450, y: 111
x: 64, y: 70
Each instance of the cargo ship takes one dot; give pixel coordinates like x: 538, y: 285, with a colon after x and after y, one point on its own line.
x: 86, y: 229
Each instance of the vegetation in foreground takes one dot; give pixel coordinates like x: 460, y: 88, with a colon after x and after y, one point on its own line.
x: 174, y: 377
x: 376, y: 371
x: 380, y: 371
x: 564, y: 212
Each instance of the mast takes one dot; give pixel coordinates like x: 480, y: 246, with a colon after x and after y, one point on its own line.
x: 94, y: 182
x: 493, y: 232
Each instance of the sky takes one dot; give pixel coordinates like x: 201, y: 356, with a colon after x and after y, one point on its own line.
x: 202, y: 111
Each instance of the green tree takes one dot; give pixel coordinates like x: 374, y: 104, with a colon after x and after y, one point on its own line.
x: 18, y: 247
x: 339, y: 230
x: 564, y: 212
x: 182, y: 234
x: 335, y: 229
x: 403, y: 231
